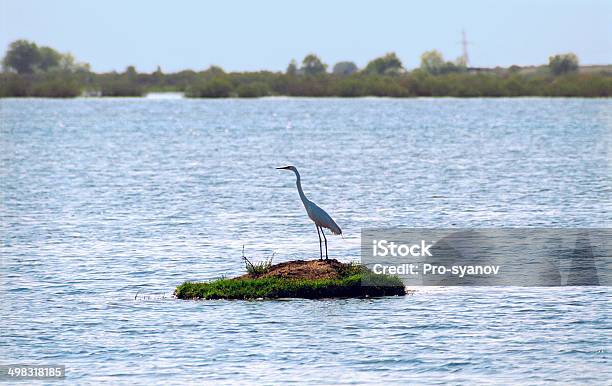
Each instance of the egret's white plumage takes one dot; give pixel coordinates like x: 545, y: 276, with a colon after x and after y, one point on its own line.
x: 322, y: 219
x: 316, y: 214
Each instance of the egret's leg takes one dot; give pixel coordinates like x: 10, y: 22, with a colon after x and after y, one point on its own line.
x: 325, y: 238
x: 320, y: 246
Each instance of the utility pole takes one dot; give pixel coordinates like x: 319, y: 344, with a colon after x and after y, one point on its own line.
x: 464, y: 45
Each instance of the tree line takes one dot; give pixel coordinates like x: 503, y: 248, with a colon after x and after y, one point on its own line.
x: 33, y: 71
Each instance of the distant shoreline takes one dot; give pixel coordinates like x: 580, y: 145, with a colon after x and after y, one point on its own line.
x: 214, y: 84
x: 33, y: 71
x: 291, y: 97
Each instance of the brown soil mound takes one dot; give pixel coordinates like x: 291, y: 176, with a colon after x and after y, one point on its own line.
x: 301, y: 269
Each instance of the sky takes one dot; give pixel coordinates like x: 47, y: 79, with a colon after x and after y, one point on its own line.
x: 251, y: 35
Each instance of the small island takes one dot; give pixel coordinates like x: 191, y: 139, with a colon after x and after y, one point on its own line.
x: 313, y: 279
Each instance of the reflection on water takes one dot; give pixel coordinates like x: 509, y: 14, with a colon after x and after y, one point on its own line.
x: 106, y: 198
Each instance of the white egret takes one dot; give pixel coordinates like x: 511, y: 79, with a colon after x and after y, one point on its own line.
x: 316, y: 214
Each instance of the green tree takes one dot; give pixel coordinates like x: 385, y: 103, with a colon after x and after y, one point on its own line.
x: 213, y: 72
x: 49, y: 58
x: 22, y: 56
x: 385, y: 65
x: 292, y: 68
x: 312, y: 65
x: 461, y: 61
x: 563, y: 63
x: 67, y: 63
x: 345, y: 68
x: 157, y: 76
x: 433, y: 62
x: 131, y: 72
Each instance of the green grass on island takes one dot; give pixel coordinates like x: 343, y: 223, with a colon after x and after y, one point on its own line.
x: 297, y: 279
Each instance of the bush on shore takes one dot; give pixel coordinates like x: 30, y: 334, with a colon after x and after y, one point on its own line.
x: 253, y: 90
x: 56, y: 88
x: 46, y: 85
x: 121, y: 88
x: 213, y: 88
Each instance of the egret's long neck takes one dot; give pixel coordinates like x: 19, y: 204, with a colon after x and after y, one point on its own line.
x: 298, y: 182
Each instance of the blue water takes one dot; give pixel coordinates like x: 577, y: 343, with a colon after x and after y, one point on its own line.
x: 108, y: 204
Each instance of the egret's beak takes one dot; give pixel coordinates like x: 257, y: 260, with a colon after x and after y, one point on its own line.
x: 284, y: 167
